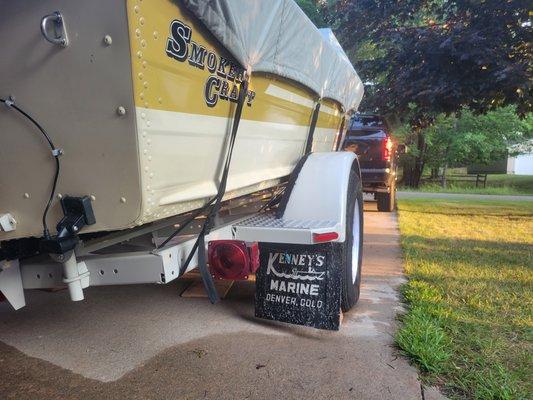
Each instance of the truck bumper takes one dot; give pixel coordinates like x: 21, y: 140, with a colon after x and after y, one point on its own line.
x: 377, y: 180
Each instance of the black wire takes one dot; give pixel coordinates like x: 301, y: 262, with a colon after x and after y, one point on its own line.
x: 276, y: 197
x: 312, y: 126
x: 187, y: 222
x: 183, y: 268
x: 46, y: 232
x: 214, y: 208
x: 229, y: 153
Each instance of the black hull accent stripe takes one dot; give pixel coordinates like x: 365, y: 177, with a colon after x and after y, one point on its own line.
x: 311, y: 134
x: 340, y: 140
x: 288, y: 190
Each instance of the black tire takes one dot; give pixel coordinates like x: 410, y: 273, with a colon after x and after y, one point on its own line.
x: 350, y: 289
x: 387, y: 201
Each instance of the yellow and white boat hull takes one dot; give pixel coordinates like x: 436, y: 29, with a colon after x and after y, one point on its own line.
x: 142, y: 119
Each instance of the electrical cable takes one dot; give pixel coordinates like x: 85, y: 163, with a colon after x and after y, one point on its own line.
x: 199, y: 244
x: 187, y: 222
x: 229, y: 153
x: 222, y: 185
x: 275, y: 199
x: 55, y: 153
x: 312, y: 126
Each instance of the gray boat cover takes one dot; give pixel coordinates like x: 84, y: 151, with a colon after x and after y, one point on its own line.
x: 276, y: 36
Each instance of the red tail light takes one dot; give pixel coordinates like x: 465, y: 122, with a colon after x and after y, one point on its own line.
x: 232, y: 259
x: 325, y: 237
x: 387, y: 149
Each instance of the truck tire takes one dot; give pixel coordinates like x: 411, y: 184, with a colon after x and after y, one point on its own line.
x: 387, y: 201
x: 352, y: 248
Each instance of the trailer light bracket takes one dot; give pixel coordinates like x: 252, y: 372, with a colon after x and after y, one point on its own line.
x: 78, y: 212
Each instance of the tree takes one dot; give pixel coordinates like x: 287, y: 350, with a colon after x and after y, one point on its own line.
x: 421, y: 58
x: 315, y: 11
x: 440, y: 55
x: 466, y: 138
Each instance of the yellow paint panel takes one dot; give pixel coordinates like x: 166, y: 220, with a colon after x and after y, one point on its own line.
x: 164, y: 83
x: 330, y: 115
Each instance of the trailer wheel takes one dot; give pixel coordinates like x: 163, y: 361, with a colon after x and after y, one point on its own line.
x: 387, y: 201
x: 352, y: 248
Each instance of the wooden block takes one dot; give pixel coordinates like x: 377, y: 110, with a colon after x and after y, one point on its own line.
x: 196, y: 289
x: 194, y: 274
x: 55, y: 289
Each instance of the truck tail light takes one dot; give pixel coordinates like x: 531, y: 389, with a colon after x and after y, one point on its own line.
x: 387, y: 148
x: 232, y: 259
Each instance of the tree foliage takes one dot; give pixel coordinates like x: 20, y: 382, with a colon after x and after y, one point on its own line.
x: 315, y: 11
x: 439, y: 55
x: 439, y: 62
x: 466, y: 138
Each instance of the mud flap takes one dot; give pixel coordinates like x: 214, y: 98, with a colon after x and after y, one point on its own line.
x: 299, y: 284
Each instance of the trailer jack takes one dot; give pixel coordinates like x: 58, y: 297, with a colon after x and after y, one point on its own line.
x: 78, y: 212
x: 75, y: 275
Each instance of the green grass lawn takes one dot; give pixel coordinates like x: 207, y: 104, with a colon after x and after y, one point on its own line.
x: 496, y: 184
x: 469, y: 325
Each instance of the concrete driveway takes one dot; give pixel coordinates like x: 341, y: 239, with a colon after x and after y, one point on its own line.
x: 145, y: 342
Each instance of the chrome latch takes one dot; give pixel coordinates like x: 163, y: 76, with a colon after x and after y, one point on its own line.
x: 54, y: 30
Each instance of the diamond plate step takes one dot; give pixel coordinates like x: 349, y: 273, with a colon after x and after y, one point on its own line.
x: 267, y: 228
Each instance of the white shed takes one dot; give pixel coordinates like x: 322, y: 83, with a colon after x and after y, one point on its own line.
x: 521, y: 164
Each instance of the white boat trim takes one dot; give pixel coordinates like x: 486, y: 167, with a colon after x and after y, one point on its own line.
x: 177, y: 181
x: 284, y: 94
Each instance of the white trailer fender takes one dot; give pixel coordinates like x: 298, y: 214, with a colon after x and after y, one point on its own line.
x: 317, y: 190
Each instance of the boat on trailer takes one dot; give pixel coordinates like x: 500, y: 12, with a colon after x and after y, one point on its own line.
x: 127, y: 121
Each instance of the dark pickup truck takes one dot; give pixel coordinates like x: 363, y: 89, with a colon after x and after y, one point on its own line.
x: 369, y: 137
